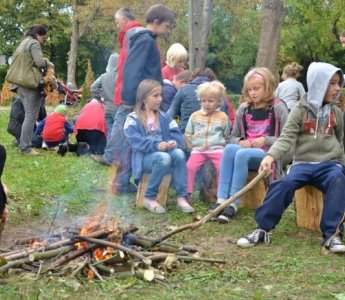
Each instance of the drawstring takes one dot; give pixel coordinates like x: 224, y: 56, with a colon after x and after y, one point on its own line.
x: 317, y: 122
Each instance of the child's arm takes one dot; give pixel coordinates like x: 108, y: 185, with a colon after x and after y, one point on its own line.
x: 188, y: 134
x: 227, y: 131
x: 136, y: 139
x: 68, y: 127
x: 175, y: 107
x: 237, y: 134
x: 40, y: 126
x: 176, y: 135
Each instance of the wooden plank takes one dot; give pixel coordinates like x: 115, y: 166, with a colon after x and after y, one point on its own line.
x: 309, y: 206
x: 162, y: 196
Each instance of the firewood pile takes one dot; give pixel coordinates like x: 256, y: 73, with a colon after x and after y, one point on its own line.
x: 99, y: 250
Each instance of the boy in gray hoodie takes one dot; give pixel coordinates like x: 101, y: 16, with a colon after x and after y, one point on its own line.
x: 315, y: 128
x: 104, y: 86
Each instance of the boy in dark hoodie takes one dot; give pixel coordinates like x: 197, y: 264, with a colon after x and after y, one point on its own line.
x: 143, y: 62
x: 315, y: 129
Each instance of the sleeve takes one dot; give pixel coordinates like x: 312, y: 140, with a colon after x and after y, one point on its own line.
x: 175, y: 107
x: 68, y: 127
x: 276, y: 93
x: 188, y: 133
x: 96, y: 87
x: 301, y: 90
x: 40, y: 127
x: 227, y: 131
x: 237, y: 133
x: 175, y: 134
x: 339, y: 133
x: 37, y: 55
x: 136, y: 139
x: 281, y: 114
x: 133, y: 69
x: 288, y: 135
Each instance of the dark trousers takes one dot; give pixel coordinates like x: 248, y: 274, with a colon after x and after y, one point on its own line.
x: 2, y: 165
x: 328, y: 177
x: 95, y: 138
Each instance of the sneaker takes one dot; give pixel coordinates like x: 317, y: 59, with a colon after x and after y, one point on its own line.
x: 99, y: 159
x: 153, y: 206
x: 184, y: 206
x: 126, y: 189
x: 227, y: 215
x: 44, y: 146
x: 213, y: 206
x: 256, y: 237
x: 62, y: 149
x: 335, y: 244
x: 30, y: 152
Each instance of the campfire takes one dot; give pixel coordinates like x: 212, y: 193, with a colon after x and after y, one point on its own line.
x: 100, y: 249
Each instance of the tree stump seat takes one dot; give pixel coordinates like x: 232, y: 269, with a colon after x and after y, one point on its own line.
x: 309, y: 206
x: 163, y: 192
x: 254, y: 198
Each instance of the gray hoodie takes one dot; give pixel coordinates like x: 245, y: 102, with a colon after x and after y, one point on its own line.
x: 314, y: 128
x: 104, y: 86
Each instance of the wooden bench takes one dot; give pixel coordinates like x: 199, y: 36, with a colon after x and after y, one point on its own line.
x: 162, y: 196
x: 256, y: 195
x: 308, y: 206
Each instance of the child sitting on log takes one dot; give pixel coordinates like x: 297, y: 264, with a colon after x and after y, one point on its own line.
x: 315, y: 129
x: 157, y: 147
x: 207, y: 131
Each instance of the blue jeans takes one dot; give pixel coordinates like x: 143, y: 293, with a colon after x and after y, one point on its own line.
x: 328, y: 177
x: 109, y: 114
x: 117, y: 148
x: 158, y: 164
x: 234, y: 168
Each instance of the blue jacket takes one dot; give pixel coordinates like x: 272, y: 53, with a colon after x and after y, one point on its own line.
x: 169, y: 92
x: 141, y: 144
x: 186, y: 102
x: 142, y: 62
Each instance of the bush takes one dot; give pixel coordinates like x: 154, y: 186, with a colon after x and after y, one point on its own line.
x: 234, y: 99
x: 3, y: 71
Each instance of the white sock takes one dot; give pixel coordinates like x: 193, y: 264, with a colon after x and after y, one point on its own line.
x: 221, y: 200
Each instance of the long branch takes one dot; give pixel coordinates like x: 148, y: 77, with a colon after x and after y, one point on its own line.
x: 214, y: 212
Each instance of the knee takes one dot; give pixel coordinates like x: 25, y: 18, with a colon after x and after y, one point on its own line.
x: 163, y: 159
x: 230, y: 151
x: 178, y: 155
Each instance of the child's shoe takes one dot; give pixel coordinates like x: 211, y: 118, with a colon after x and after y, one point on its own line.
x: 184, y: 206
x: 256, y: 237
x: 44, y: 145
x: 153, y: 206
x: 335, y: 244
x: 227, y: 215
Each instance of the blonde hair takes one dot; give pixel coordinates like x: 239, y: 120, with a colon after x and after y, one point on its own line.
x: 268, y: 80
x: 292, y: 70
x: 212, y: 89
x: 176, y: 53
x: 146, y: 88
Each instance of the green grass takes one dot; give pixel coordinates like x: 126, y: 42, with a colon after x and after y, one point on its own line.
x: 66, y: 190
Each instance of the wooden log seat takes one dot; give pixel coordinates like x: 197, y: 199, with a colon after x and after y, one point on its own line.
x: 254, y: 197
x: 162, y: 196
x: 308, y: 206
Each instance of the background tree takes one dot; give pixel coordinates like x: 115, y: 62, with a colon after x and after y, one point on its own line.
x: 273, y: 14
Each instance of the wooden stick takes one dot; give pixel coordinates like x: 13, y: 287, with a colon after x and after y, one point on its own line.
x: 28, y: 240
x: 80, y: 267
x: 162, y: 256
x: 51, y: 253
x: 214, y: 212
x: 13, y: 264
x: 129, y: 251
x: 94, y: 270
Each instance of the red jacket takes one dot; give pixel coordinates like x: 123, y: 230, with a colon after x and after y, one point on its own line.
x: 53, y: 128
x: 122, y: 57
x: 91, y: 118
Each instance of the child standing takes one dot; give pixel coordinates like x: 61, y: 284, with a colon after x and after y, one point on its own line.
x: 177, y: 57
x: 315, y: 127
x: 207, y: 130
x: 258, y: 123
x: 290, y: 90
x: 54, y: 128
x: 157, y: 145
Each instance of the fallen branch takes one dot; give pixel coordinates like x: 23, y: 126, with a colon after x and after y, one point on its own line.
x: 49, y: 254
x: 129, y: 251
x: 214, y: 212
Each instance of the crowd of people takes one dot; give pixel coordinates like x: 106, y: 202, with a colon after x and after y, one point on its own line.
x: 145, y: 118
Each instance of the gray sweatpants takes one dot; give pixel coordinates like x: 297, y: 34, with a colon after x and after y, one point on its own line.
x: 32, y: 103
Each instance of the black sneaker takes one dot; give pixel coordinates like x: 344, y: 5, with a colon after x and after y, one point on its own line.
x: 335, y: 244
x: 213, y: 206
x: 256, y: 237
x: 227, y: 215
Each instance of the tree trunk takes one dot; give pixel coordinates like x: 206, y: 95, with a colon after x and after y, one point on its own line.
x: 272, y: 20
x: 199, y: 28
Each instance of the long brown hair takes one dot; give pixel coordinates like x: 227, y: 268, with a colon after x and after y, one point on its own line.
x: 145, y: 88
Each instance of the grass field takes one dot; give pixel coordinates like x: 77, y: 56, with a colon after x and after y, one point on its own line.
x: 49, y: 191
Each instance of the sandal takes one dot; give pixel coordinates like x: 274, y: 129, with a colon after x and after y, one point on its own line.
x: 153, y: 206
x: 184, y: 206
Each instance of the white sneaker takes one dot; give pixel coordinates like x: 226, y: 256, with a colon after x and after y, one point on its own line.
x: 254, y: 238
x: 44, y: 145
x: 335, y: 244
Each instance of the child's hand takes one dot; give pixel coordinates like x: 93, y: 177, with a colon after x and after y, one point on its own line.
x: 245, y: 144
x: 172, y: 145
x: 266, y: 163
x: 163, y: 146
x: 258, y: 142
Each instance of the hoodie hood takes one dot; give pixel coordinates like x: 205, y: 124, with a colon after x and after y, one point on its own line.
x: 139, y: 32
x: 112, y: 63
x: 318, y: 77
